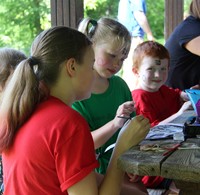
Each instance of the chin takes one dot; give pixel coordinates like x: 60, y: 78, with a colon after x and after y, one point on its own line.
x: 86, y: 96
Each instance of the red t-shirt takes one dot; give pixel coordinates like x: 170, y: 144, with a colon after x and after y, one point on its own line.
x: 52, y: 151
x: 156, y: 106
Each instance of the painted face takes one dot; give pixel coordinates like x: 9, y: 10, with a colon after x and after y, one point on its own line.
x: 108, y: 59
x: 153, y: 73
x: 86, y: 75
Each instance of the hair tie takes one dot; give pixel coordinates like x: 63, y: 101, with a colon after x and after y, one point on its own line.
x: 93, y: 22
x: 93, y: 28
x: 33, y: 61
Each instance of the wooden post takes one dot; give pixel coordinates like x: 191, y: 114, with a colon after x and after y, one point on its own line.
x: 173, y: 15
x: 66, y: 12
x: 70, y: 12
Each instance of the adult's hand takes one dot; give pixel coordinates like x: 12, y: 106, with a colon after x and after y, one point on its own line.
x: 132, y: 133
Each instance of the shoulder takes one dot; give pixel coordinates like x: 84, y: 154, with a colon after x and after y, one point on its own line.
x: 117, y: 83
x: 140, y: 95
x: 168, y: 91
x: 118, y: 88
x: 119, y: 80
x: 189, y: 29
x: 58, y: 122
x: 56, y: 111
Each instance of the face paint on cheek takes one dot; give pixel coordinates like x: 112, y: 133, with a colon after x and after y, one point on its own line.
x: 143, y: 77
x: 101, y: 62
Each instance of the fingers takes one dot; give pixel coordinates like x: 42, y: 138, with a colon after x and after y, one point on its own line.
x: 139, y: 124
x: 133, y: 178
x: 195, y: 87
x: 133, y: 131
x: 142, y: 119
x: 126, y: 109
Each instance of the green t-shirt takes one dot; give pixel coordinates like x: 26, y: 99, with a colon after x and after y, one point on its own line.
x: 99, y: 109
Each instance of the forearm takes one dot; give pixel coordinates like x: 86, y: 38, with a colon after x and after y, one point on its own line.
x: 143, y: 22
x: 103, y: 134
x: 130, y: 135
x: 183, y: 96
x: 114, y: 176
x: 172, y: 117
x: 169, y: 119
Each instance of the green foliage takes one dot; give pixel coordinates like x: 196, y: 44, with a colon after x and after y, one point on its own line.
x: 155, y: 12
x: 100, y: 8
x: 21, y: 21
x: 186, y: 7
x: 155, y: 15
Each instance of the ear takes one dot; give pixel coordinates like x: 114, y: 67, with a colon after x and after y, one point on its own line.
x: 135, y: 71
x: 70, y: 66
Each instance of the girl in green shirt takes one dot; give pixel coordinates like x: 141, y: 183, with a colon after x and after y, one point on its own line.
x: 111, y: 97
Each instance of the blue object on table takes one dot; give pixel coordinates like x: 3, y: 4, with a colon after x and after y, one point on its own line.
x: 194, y: 96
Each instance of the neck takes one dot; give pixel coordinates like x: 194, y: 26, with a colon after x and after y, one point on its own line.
x: 100, y: 84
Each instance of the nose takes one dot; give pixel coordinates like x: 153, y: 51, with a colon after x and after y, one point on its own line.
x: 157, y: 73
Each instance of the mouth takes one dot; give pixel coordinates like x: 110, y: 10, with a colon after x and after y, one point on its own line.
x: 157, y: 81
x: 112, y: 71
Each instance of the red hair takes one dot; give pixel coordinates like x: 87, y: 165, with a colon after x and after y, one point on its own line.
x: 148, y: 48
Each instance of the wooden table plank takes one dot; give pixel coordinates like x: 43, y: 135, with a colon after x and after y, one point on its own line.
x: 143, y: 162
x: 135, y: 161
x: 183, y: 164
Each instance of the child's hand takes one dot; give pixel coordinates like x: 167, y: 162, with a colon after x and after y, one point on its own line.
x: 184, y: 97
x: 124, y: 110
x: 132, y: 133
x: 195, y: 87
x: 134, y: 178
x: 186, y: 106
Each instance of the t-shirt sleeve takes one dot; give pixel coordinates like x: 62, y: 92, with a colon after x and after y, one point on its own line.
x: 75, y: 158
x: 137, y: 6
x: 189, y: 31
x: 144, y: 108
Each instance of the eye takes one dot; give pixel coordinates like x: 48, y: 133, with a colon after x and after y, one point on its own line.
x: 112, y: 55
x: 150, y: 68
x: 122, y: 59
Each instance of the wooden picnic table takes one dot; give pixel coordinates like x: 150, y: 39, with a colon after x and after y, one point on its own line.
x: 181, y: 165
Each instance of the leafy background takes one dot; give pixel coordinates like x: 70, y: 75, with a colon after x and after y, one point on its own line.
x: 22, y: 20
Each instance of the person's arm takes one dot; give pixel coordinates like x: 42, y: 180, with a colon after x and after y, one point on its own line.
x: 197, y: 86
x: 193, y: 46
x: 183, y: 96
x: 101, y: 135
x: 87, y: 186
x: 186, y: 106
x: 132, y: 133
x: 143, y: 22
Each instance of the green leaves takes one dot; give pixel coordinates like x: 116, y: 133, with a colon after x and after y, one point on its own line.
x: 21, y: 21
